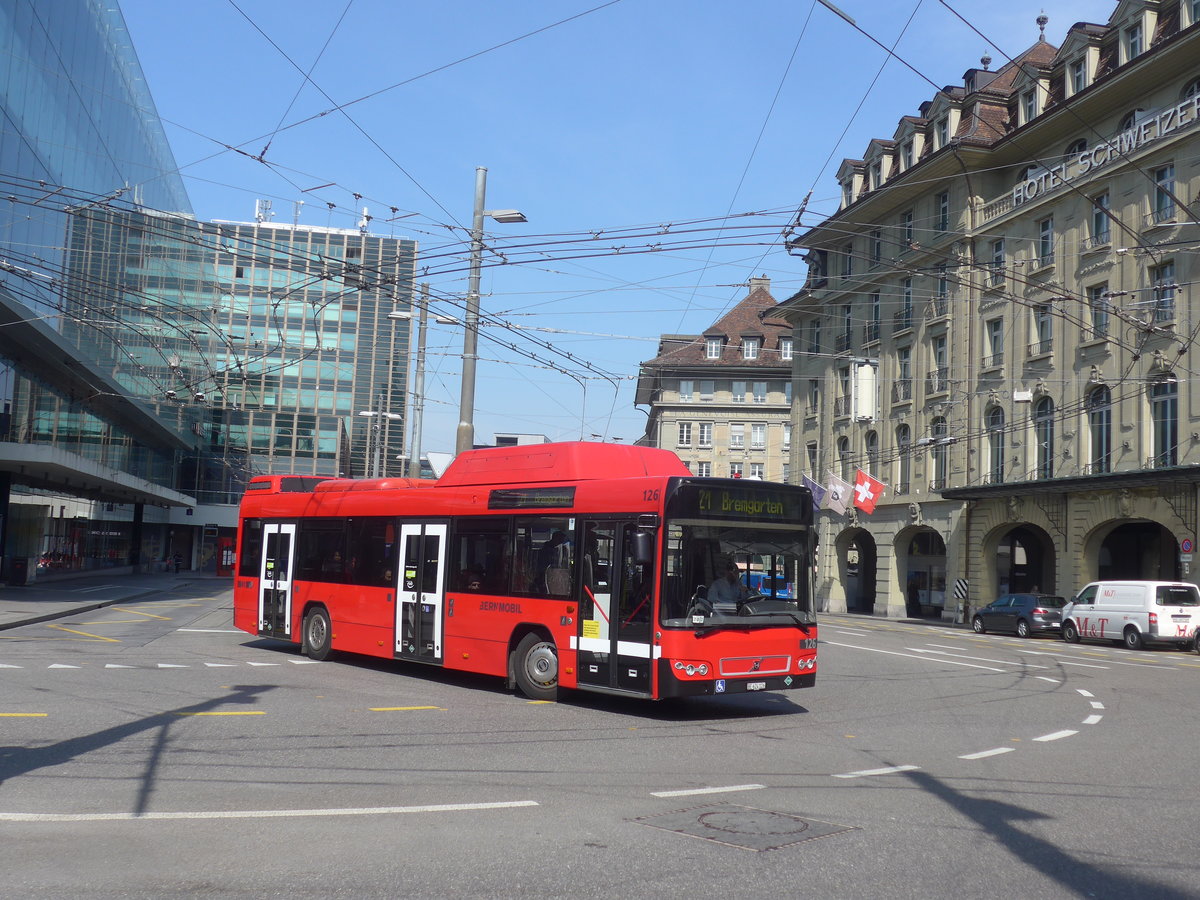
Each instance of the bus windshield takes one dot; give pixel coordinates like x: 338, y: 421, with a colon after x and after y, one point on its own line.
x: 735, y: 573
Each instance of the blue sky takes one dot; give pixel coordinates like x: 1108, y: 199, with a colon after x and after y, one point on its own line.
x: 657, y: 148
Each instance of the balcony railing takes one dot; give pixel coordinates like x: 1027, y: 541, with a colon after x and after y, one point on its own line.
x: 841, y: 406
x: 902, y: 319
x: 841, y: 342
x: 1045, y: 261
x: 1164, y: 309
x: 995, y: 361
x: 1041, y: 347
x: 901, y: 390
x: 1095, y: 242
x: 1161, y: 216
x: 871, y: 333
x: 938, y: 381
x: 937, y: 308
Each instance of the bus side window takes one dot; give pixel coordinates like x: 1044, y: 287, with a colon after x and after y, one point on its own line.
x: 544, y: 546
x: 479, y: 556
x: 250, y: 558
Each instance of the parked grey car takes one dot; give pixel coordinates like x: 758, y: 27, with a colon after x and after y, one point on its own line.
x: 1024, y: 614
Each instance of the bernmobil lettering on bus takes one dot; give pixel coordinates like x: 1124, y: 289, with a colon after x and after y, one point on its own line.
x: 593, y: 566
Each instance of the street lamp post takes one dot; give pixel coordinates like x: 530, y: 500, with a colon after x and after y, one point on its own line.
x: 418, y: 404
x: 376, y: 438
x: 465, y: 438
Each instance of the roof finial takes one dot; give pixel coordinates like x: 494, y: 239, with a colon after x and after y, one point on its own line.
x: 985, y: 60
x: 1042, y: 20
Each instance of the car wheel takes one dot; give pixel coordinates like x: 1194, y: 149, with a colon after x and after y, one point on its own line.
x: 1196, y: 641
x: 1022, y: 628
x: 1133, y: 639
x: 977, y: 624
x: 318, y: 633
x: 535, y: 666
x: 1070, y: 633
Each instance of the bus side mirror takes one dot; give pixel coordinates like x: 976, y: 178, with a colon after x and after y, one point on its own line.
x: 643, y: 547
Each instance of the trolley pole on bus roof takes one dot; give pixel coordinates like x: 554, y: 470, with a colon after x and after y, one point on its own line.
x: 465, y: 438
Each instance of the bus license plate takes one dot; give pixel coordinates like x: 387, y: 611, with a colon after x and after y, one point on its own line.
x: 756, y: 685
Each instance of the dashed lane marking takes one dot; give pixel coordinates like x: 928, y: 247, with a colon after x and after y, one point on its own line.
x: 1055, y: 736
x: 239, y: 712
x: 1092, y: 720
x: 4, y: 715
x: 983, y: 754
x: 709, y: 790
x: 867, y: 773
x: 403, y: 708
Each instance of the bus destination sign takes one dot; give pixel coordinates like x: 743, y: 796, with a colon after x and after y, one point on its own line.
x: 532, y: 498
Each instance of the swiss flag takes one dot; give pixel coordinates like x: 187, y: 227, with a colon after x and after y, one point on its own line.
x: 867, y: 492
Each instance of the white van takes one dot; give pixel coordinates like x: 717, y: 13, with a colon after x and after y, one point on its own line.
x: 1134, y: 613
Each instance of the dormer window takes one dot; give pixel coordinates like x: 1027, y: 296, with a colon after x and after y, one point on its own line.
x: 1028, y: 106
x: 941, y: 132
x: 712, y: 348
x: 847, y: 193
x: 1193, y: 8
x: 1078, y: 75
x: 876, y: 175
x: 785, y: 349
x: 1132, y: 43
x: 750, y: 347
x: 906, y: 151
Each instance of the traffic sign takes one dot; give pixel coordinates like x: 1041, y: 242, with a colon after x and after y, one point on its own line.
x: 1185, y: 546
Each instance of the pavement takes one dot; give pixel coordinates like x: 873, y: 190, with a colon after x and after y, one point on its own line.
x: 42, y: 601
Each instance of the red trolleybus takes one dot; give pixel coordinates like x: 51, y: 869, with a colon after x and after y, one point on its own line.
x: 575, y: 565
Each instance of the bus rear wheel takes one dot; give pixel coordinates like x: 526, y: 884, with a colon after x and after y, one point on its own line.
x: 318, y: 633
x: 535, y: 666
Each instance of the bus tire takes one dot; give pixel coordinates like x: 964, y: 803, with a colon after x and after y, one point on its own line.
x: 535, y: 667
x: 1133, y: 639
x: 317, y: 634
x: 1070, y: 633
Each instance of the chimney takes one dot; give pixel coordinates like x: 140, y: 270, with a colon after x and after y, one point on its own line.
x: 762, y: 281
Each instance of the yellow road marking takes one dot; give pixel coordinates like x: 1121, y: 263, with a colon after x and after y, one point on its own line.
x: 402, y: 708
x: 23, y: 715
x: 136, y: 613
x: 248, y: 712
x: 94, y: 637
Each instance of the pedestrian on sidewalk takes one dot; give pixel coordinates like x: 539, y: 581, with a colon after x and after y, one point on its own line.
x: 178, y: 563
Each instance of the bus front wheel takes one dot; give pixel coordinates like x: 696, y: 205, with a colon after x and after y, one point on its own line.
x: 535, y: 665
x: 318, y: 633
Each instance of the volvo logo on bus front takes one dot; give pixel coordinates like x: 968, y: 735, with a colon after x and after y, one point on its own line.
x: 757, y: 665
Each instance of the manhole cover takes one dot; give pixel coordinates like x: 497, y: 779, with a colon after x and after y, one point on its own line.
x: 743, y: 826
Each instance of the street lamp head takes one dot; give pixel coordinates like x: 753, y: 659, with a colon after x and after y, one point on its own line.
x: 399, y: 314
x: 506, y: 216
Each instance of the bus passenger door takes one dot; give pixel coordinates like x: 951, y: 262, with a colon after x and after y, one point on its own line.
x: 275, y: 581
x: 421, y: 591
x: 615, y: 610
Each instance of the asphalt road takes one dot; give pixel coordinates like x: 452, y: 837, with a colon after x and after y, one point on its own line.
x: 149, y: 749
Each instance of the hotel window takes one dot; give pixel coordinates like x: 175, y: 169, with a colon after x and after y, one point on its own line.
x: 735, y: 470
x: 942, y: 132
x: 814, y: 395
x: 810, y: 450
x: 1163, y: 279
x: 705, y: 435
x: 685, y: 434
x: 994, y: 336
x: 1046, y: 242
x: 1098, y: 302
x: 847, y: 260
x: 1099, y: 410
x: 1043, y: 329
x: 1078, y: 76
x: 785, y: 349
x: 787, y: 392
x: 712, y: 348
x: 757, y: 471
x: 876, y: 314
x: 943, y: 211
x: 906, y: 154
x: 758, y: 436
x: 872, y: 442
x: 844, y: 461
x: 997, y: 273
x: 903, y: 459
x: 1164, y: 193
x: 876, y: 176
x: 739, y: 392
x: 787, y: 435
x: 737, y: 436
x: 1043, y: 435
x: 1164, y: 418
x: 759, y: 389
x: 750, y: 348
x: 995, y: 432
x: 1028, y: 106
x: 1101, y: 223
x: 876, y: 246
x: 814, y: 335
x: 1133, y: 41
x: 685, y: 391
x: 704, y: 470
x: 1193, y: 8
x: 707, y: 387
x: 906, y: 222
x: 943, y: 282
x: 787, y: 473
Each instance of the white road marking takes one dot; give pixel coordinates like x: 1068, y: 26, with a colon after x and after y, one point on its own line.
x: 1055, y: 736
x: 983, y: 754
x: 220, y: 665
x: 61, y: 666
x: 948, y: 662
x: 1051, y: 680
x: 1084, y: 693
x: 890, y: 770
x: 711, y: 790
x: 859, y: 633
x: 1002, y: 662
x: 212, y: 630
x: 1096, y: 704
x: 260, y: 813
x: 1092, y: 720
x: 118, y: 666
x: 7, y: 666
x: 261, y: 664
x: 172, y: 666
x: 305, y: 662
